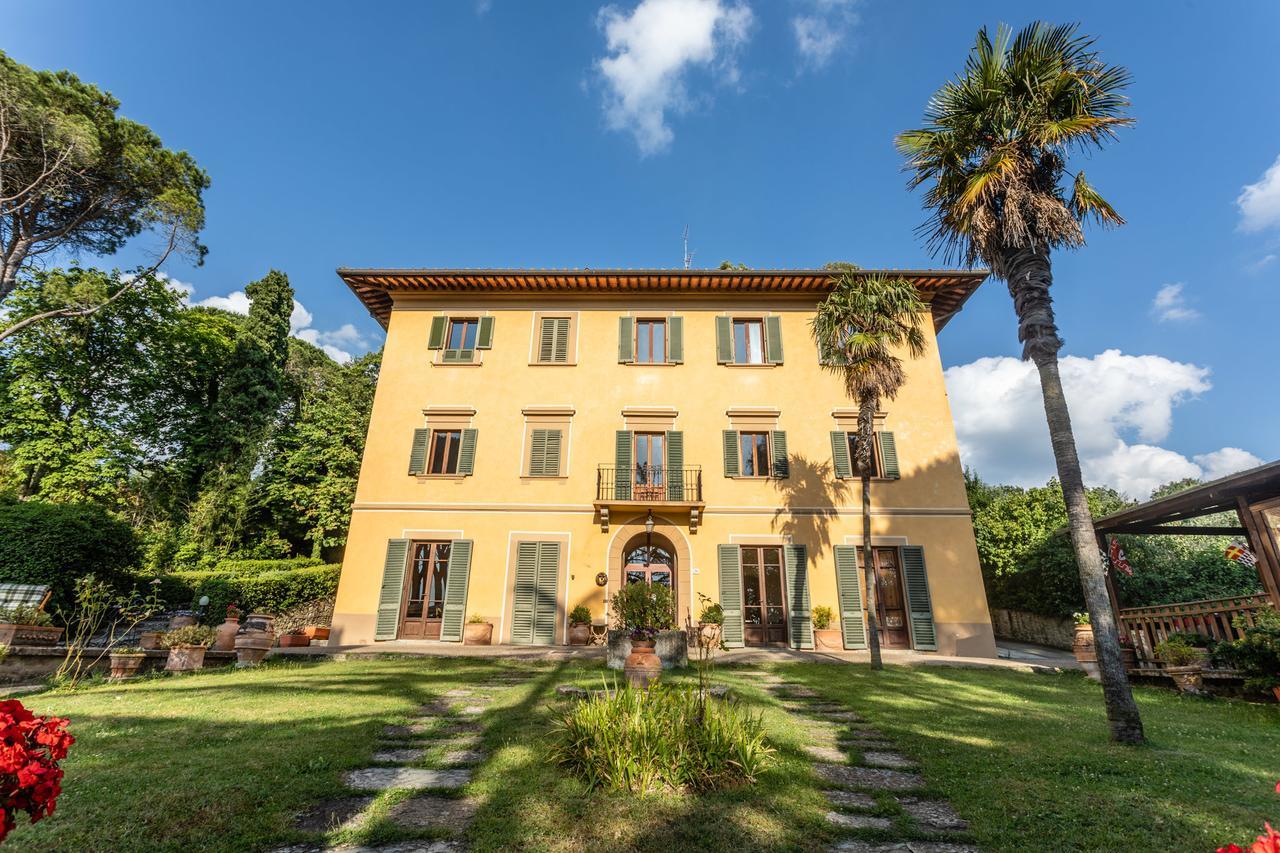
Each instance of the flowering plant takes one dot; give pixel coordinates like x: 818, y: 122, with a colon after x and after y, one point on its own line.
x: 1269, y: 843
x: 30, y: 749
x: 233, y: 612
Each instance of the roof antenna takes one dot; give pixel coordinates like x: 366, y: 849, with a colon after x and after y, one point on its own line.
x: 688, y: 256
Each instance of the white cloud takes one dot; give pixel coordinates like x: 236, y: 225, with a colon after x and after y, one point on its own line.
x: 182, y: 288
x: 1171, y: 306
x: 1262, y: 263
x: 483, y: 6
x: 1121, y: 409
x: 822, y: 28
x: 332, y: 341
x: 651, y: 50
x: 1260, y: 203
x: 236, y: 302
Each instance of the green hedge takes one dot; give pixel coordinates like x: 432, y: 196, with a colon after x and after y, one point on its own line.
x: 54, y: 544
x: 258, y: 567
x: 267, y: 592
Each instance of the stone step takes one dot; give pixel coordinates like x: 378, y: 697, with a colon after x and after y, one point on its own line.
x: 462, y: 757
x: 337, y: 813
x: 858, y: 821
x: 887, y: 758
x: 402, y: 755
x: 934, y: 815
x: 874, y: 778
x: 426, y: 811
x: 825, y: 753
x: 851, y: 800
x: 414, y: 778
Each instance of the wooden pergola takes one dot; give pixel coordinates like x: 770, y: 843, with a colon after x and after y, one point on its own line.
x: 1254, y: 497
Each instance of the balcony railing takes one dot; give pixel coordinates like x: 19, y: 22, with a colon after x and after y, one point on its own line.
x: 649, y: 483
x: 1146, y: 626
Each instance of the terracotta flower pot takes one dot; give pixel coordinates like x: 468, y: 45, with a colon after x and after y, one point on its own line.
x: 185, y: 658
x: 126, y: 665
x: 477, y: 634
x: 1276, y: 691
x: 1086, y: 655
x: 176, y: 622
x: 252, y: 643
x: 1189, y: 679
x: 830, y: 639
x: 225, y: 638
x: 150, y: 639
x: 316, y: 632
x: 709, y: 634
x: 13, y: 634
x: 642, y: 666
x: 291, y: 641
x: 579, y: 634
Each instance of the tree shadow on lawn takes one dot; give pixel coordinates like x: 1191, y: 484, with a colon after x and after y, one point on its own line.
x: 1027, y: 756
x: 527, y: 803
x: 222, y: 760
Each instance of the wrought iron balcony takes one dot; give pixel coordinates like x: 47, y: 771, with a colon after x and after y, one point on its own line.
x: 650, y: 485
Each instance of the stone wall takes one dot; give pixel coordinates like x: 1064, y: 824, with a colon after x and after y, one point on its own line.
x: 1055, y: 631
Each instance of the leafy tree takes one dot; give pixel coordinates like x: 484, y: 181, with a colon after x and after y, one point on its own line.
x: 860, y: 327
x: 74, y: 176
x: 730, y: 266
x: 994, y: 157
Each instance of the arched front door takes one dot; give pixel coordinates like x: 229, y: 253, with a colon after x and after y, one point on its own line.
x: 650, y: 558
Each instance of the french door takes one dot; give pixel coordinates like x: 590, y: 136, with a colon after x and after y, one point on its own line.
x: 764, y: 611
x: 650, y: 459
x: 891, y: 602
x: 423, y: 597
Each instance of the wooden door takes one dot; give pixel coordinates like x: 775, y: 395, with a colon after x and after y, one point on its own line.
x: 650, y: 463
x: 764, y: 605
x: 891, y: 602
x: 424, y: 586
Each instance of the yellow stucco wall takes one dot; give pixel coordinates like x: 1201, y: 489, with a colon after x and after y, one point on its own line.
x: 497, y: 505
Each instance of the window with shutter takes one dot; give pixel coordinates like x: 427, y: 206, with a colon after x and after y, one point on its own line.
x: 534, y: 605
x: 729, y: 559
x: 388, y: 619
x: 919, y: 604
x: 651, y: 341
x: 732, y: 466
x: 675, y: 340
x: 418, y: 451
x: 553, y: 342
x: 460, y: 345
x: 455, y: 591
x: 799, y: 619
x: 773, y: 339
x: 626, y: 344
x: 853, y: 620
x: 675, y: 465
x: 544, y: 453
x: 778, y: 448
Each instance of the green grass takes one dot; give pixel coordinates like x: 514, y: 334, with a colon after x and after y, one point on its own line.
x: 224, y: 760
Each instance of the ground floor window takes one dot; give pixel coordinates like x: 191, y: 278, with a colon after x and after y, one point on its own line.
x: 764, y: 613
x: 424, y: 591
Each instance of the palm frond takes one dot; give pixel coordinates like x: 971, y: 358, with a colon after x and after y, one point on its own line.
x: 1086, y: 202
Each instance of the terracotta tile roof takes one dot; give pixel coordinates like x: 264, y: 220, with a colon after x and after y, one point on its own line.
x: 945, y: 290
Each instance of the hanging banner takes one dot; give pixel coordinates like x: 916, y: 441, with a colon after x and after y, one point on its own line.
x: 1118, y: 559
x: 1240, y: 552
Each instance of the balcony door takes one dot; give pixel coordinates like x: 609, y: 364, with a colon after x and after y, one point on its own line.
x: 650, y: 467
x: 423, y: 597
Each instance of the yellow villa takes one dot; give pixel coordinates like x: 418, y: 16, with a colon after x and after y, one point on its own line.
x: 540, y: 438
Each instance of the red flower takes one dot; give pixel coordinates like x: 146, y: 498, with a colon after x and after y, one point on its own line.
x: 30, y: 749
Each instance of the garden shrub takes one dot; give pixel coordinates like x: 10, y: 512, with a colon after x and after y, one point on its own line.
x: 55, y: 544
x: 660, y: 738
x: 268, y: 592
x: 258, y: 567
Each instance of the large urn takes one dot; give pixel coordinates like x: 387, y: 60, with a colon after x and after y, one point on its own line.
x: 642, y: 666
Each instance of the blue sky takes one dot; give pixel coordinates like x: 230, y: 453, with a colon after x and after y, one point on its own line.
x: 569, y: 133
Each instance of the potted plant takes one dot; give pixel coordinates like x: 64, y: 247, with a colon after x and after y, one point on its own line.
x: 643, y: 610
x: 126, y: 661
x: 182, y: 619
x: 824, y: 636
x: 187, y: 647
x: 1082, y: 646
x: 226, y: 632
x: 1256, y: 655
x: 254, y: 639
x: 1183, y: 662
x: 150, y: 640
x: 580, y: 625
x: 710, y: 623
x: 294, y: 639
x: 477, y: 632
x: 27, y: 626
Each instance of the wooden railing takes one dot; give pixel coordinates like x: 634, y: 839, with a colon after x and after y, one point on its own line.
x: 1215, y: 617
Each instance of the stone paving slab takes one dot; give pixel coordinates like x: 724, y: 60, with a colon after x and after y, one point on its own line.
x: 858, y: 821
x: 472, y: 710
x: 825, y: 753
x: 887, y: 758
x: 874, y: 778
x: 385, y: 778
x: 799, y: 691
x: 933, y: 814
x: 433, y: 708
x: 344, y: 812
x: 399, y: 756
x: 425, y: 811
x: 851, y: 800
x: 842, y: 716
x: 902, y: 847
x: 399, y: 847
x: 460, y: 757
x: 454, y: 728
x: 468, y: 741
x: 406, y: 732
x: 457, y: 692
x: 859, y: 743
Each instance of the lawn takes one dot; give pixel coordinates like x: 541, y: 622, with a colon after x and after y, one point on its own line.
x: 224, y: 760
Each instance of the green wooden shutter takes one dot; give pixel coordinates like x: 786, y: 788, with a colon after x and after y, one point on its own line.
x: 526, y: 592
x: 800, y: 617
x: 547, y: 340
x: 455, y: 591
x: 781, y: 463
x: 675, y: 340
x: 552, y: 464
x: 731, y: 595
x: 538, y: 453
x: 724, y: 340
x: 920, y: 606
x: 560, y: 353
x: 388, y: 622
x: 773, y: 339
x: 418, y: 453
x: 840, y: 455
x: 467, y: 454
x: 544, y: 614
x: 853, y: 621
x: 888, y: 455
x: 484, y: 335
x: 458, y: 356
x: 622, y: 450
x: 435, y: 340
x: 732, y: 467
x: 675, y: 466
x: 626, y: 346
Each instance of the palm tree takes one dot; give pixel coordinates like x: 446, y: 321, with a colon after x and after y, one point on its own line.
x: 994, y: 158
x: 859, y: 327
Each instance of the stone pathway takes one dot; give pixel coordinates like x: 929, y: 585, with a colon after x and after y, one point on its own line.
x: 877, y: 793
x: 433, y: 755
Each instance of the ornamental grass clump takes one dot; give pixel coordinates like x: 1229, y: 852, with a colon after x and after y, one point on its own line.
x: 663, y: 738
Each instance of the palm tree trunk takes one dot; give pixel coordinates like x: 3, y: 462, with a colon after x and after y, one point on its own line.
x: 1030, y: 276
x: 867, y: 406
